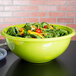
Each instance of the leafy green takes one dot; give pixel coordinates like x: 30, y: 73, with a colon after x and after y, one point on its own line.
x: 46, y: 32
x: 27, y: 26
x: 44, y: 23
x: 13, y: 31
x: 35, y: 36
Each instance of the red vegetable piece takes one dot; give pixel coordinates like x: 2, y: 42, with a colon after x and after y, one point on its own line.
x: 38, y: 31
x: 45, y: 26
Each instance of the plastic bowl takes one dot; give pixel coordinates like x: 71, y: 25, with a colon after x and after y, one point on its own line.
x: 38, y: 50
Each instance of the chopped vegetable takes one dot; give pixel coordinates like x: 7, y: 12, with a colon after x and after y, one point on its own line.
x: 37, y: 30
x: 45, y: 26
x: 30, y: 32
x: 51, y: 27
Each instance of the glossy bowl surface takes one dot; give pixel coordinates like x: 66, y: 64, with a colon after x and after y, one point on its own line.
x: 38, y: 50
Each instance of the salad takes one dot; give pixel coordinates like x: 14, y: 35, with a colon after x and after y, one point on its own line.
x: 37, y: 30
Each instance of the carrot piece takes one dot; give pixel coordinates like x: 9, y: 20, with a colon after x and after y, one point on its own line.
x: 51, y: 27
x: 21, y: 29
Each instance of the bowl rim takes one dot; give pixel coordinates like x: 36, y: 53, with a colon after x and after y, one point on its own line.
x: 44, y: 39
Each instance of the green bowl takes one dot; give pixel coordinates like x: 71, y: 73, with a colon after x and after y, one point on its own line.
x: 38, y: 50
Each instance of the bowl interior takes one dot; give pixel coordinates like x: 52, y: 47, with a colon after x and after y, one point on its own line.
x: 71, y: 33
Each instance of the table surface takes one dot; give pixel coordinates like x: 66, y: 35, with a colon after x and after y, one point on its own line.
x: 64, y: 65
